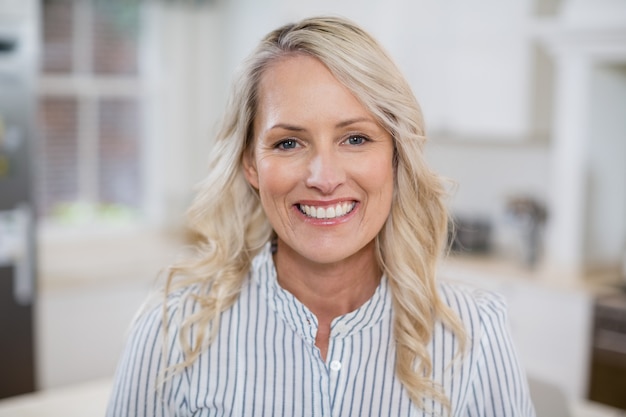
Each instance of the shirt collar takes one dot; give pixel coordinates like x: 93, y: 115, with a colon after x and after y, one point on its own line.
x: 300, y: 318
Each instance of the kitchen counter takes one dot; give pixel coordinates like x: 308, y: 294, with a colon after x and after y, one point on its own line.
x: 82, y: 400
x: 477, y: 266
x: 105, y: 257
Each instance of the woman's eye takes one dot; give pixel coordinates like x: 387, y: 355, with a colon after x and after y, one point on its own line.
x: 356, y: 140
x: 287, y: 144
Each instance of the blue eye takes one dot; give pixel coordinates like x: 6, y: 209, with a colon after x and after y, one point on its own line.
x: 287, y: 144
x: 356, y: 140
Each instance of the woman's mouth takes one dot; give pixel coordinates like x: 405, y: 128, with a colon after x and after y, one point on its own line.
x: 327, y: 212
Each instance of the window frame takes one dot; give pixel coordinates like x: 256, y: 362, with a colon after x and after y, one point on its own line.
x: 88, y: 88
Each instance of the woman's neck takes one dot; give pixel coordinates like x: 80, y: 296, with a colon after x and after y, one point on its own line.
x: 329, y: 290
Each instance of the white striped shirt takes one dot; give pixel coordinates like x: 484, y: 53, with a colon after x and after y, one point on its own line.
x: 264, y: 361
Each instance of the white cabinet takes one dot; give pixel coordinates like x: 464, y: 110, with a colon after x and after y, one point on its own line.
x: 471, y: 66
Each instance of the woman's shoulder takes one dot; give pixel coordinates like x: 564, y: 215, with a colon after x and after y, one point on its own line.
x: 498, y: 384
x: 158, y: 307
x: 473, y: 304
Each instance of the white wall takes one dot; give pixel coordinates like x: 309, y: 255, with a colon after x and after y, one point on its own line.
x: 188, y: 72
x: 585, y: 36
x: 605, y: 234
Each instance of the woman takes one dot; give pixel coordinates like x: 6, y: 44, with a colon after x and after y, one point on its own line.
x: 313, y: 291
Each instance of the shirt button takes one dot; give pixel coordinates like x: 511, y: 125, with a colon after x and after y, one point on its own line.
x: 335, y: 366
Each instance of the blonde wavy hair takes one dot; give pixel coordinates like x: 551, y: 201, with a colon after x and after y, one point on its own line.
x: 228, y: 216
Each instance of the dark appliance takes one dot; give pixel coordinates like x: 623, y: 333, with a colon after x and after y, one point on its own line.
x: 607, y: 383
x: 17, y: 249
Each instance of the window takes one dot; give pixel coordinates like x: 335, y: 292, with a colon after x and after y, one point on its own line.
x: 90, y: 110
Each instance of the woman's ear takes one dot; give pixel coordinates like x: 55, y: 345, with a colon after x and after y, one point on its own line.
x: 249, y: 169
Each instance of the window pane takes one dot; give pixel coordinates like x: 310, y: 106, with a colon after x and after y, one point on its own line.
x: 119, y: 152
x: 115, y: 29
x: 57, y: 36
x: 57, y: 179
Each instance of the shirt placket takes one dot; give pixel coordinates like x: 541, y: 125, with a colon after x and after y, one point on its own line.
x: 336, y: 367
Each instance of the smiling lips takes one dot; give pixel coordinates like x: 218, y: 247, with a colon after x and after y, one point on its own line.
x: 330, y: 212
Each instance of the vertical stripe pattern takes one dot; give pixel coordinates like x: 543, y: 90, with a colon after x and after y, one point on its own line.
x: 264, y: 361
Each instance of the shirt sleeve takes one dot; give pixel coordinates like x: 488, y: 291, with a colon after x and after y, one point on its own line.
x: 139, y: 387
x: 499, y: 387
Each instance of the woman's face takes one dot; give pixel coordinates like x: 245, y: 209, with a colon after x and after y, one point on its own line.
x: 322, y: 164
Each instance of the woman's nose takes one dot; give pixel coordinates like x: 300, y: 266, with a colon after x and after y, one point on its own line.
x: 325, y: 172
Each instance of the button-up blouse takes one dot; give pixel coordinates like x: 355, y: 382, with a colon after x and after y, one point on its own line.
x: 264, y: 361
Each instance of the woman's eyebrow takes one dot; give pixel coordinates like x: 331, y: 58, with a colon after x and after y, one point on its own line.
x: 355, y: 120
x: 287, y: 126
x: 341, y: 124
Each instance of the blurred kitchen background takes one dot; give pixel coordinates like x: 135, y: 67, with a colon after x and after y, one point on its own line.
x: 107, y: 109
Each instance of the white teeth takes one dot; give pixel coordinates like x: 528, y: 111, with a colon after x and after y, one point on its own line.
x: 331, y: 212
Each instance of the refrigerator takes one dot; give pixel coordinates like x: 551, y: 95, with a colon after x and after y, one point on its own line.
x: 18, y: 66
